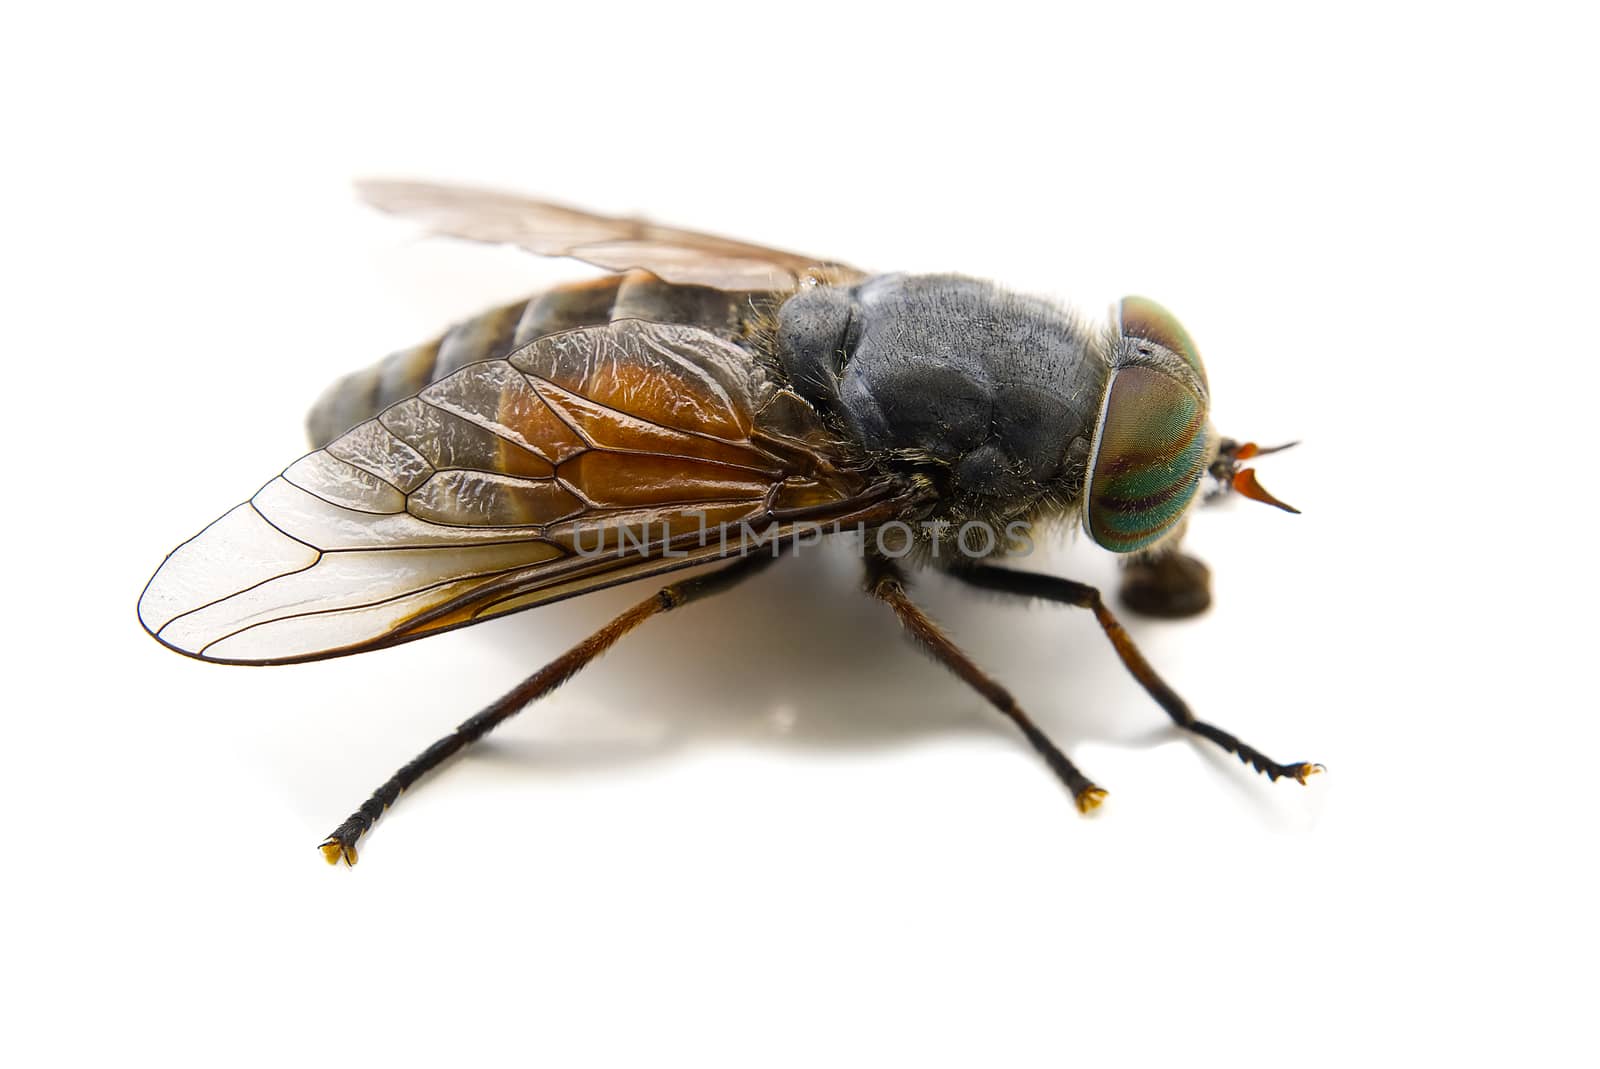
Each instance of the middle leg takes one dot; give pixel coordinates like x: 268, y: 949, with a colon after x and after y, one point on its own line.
x: 886, y: 582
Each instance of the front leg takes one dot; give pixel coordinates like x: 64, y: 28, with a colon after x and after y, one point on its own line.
x: 1169, y: 584
x: 1083, y: 596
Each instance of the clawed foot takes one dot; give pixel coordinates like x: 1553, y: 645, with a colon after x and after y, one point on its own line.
x: 1089, y: 799
x: 1304, y: 771
x: 1299, y: 771
x: 335, y: 849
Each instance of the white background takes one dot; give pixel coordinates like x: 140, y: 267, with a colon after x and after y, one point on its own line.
x: 767, y: 832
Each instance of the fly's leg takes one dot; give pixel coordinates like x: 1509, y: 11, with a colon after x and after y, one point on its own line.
x: 886, y: 582
x: 341, y: 845
x: 1167, y: 583
x: 1170, y: 585
x: 1067, y: 592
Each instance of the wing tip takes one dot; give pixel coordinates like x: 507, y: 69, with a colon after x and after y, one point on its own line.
x: 154, y: 626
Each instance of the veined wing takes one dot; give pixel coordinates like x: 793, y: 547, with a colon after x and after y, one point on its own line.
x: 681, y: 256
x: 585, y: 459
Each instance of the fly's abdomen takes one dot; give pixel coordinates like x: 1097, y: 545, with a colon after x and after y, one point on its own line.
x: 501, y: 331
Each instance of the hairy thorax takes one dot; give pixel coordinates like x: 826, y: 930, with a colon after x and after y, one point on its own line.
x: 990, y: 394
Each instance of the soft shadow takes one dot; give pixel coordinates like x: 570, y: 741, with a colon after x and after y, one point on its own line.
x: 800, y: 657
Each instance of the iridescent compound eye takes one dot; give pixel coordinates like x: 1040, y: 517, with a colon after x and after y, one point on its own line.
x: 1152, y: 444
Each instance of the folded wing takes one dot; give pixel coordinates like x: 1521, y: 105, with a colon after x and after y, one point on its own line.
x: 585, y: 459
x: 681, y: 256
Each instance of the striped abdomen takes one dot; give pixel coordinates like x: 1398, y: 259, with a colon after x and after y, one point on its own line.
x: 496, y: 333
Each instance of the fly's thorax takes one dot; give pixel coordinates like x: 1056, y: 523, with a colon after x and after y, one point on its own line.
x: 1153, y: 437
x: 995, y: 392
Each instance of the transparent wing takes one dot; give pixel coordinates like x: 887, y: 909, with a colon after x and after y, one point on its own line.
x: 681, y: 256
x: 584, y: 459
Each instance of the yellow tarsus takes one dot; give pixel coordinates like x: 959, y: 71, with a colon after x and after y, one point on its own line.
x: 1089, y: 799
x: 333, y: 851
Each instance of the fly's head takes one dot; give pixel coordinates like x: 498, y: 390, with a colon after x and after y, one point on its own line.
x: 1154, y: 443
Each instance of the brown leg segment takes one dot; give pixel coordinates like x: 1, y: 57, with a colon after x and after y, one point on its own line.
x: 341, y: 845
x: 886, y: 583
x: 1066, y: 592
x: 1171, y: 586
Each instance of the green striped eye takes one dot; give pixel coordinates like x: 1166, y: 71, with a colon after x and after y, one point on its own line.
x: 1142, y: 319
x: 1153, y: 442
